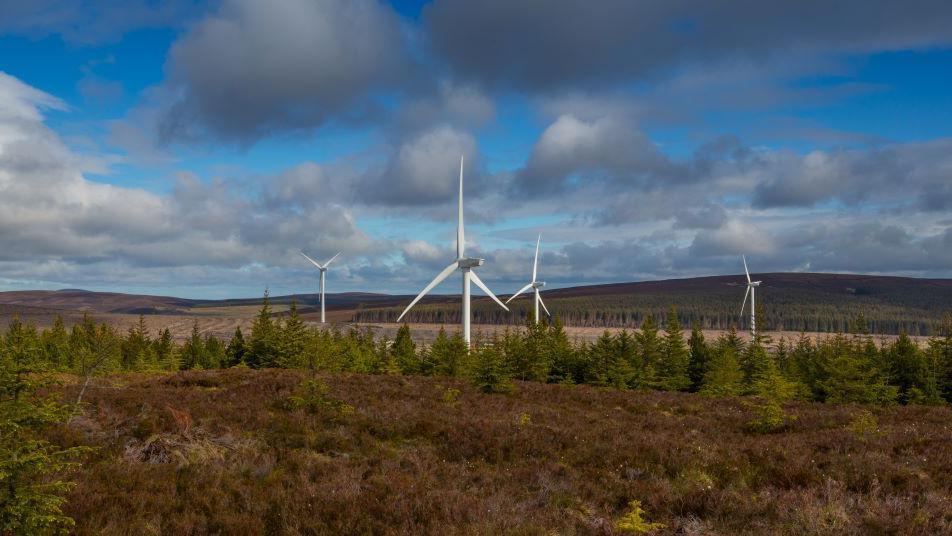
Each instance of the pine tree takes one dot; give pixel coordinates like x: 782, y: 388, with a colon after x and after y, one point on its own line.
x: 699, y: 357
x: 608, y: 366
x: 566, y: 367
x: 192, y: 355
x: 55, y: 342
x: 489, y: 373
x: 940, y: 348
x: 649, y: 350
x: 724, y: 376
x: 910, y: 372
x: 31, y: 469
x: 673, y: 368
x: 235, y: 352
x: 447, y: 354
x: 262, y: 348
x: 214, y: 355
x: 164, y: 350
x: 404, y: 351
x: 292, y: 340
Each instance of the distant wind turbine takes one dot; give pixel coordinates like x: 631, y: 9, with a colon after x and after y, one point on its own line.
x: 534, y: 285
x: 751, y: 287
x: 464, y: 264
x: 322, y: 268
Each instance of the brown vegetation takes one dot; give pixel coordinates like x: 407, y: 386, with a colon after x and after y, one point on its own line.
x: 225, y: 452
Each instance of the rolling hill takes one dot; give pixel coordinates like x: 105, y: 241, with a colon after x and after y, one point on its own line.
x: 787, y: 301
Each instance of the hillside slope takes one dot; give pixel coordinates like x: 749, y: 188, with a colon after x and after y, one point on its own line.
x: 787, y: 301
x: 222, y: 452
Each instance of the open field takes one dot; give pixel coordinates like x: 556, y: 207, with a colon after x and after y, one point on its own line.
x: 222, y: 452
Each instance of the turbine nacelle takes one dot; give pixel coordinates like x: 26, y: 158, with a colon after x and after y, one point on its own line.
x: 470, y: 263
x: 537, y: 284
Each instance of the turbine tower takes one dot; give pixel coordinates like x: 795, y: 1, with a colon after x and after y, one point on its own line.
x: 534, y: 285
x: 322, y: 268
x: 751, y: 287
x: 464, y: 264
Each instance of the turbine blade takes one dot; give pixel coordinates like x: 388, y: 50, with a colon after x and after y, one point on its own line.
x: 480, y: 284
x: 745, y: 300
x: 315, y: 263
x: 460, y: 233
x: 523, y: 289
x: 544, y: 308
x: 535, y: 263
x: 745, y: 267
x: 328, y: 263
x: 436, y: 281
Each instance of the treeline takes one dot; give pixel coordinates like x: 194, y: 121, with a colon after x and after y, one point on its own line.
x: 778, y: 310
x: 845, y: 367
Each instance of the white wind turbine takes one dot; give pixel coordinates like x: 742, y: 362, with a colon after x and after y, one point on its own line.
x: 751, y: 286
x: 534, y: 285
x: 464, y: 264
x: 322, y: 268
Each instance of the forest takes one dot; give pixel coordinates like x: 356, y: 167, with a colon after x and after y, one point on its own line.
x: 851, y: 367
x: 826, y: 303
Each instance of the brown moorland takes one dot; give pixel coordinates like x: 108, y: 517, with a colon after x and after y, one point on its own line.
x: 223, y: 452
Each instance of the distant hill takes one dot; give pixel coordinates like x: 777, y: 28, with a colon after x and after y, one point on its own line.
x: 787, y: 301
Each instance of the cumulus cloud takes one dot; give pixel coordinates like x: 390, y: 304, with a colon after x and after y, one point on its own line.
x: 51, y: 215
x: 253, y: 68
x: 601, y: 149
x: 422, y: 169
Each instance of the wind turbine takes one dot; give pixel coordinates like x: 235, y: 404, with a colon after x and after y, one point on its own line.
x: 464, y: 264
x: 751, y: 286
x: 322, y: 268
x: 534, y: 285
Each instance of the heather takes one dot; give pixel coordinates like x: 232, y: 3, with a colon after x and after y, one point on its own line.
x: 294, y: 429
x: 230, y: 452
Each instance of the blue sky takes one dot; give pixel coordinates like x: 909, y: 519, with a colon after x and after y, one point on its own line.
x: 192, y: 148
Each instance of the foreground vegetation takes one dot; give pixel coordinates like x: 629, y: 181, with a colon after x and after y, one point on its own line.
x: 260, y: 452
x: 267, y: 444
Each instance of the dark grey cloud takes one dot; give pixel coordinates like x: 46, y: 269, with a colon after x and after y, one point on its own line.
x: 574, y: 43
x: 255, y: 68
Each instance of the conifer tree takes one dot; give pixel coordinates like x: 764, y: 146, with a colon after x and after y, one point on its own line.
x: 562, y: 355
x: 489, y: 373
x: 940, y: 348
x: 447, y: 354
x: 192, y: 355
x: 649, y: 349
x: 55, y: 342
x: 262, y: 348
x: 673, y: 368
x: 31, y: 469
x: 699, y: 357
x: 214, y: 355
x: 724, y: 376
x: 908, y: 371
x: 404, y: 351
x: 235, y: 352
x: 164, y: 350
x: 292, y: 343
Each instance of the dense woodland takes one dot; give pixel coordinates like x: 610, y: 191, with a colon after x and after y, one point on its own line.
x: 842, y: 368
x: 827, y: 303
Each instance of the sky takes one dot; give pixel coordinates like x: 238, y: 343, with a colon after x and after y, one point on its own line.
x: 194, y: 148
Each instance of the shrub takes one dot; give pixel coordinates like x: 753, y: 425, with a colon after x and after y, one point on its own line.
x: 634, y: 521
x: 312, y: 396
x: 770, y: 419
